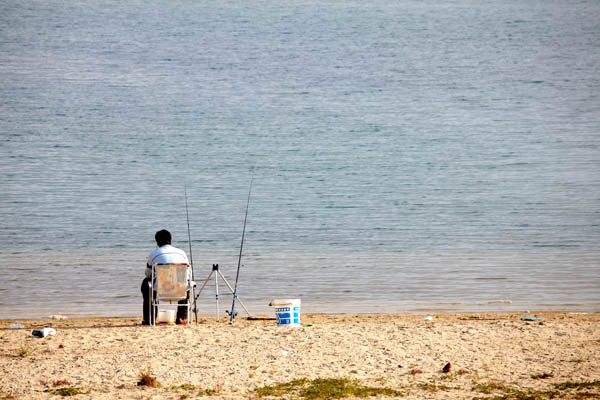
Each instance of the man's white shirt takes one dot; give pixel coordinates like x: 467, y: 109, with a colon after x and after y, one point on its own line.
x: 166, y: 254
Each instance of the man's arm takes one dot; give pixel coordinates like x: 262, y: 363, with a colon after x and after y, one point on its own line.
x: 148, y: 271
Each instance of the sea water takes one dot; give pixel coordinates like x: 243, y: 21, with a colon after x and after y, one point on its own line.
x: 405, y: 156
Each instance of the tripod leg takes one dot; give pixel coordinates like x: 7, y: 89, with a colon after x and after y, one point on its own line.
x: 231, y: 290
x: 217, y: 292
x: 204, y: 284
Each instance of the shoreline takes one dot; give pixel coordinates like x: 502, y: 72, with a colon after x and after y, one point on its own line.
x: 462, y: 280
x: 491, y: 354
x: 57, y: 318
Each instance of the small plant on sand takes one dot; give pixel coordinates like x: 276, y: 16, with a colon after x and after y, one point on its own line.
x: 208, y: 392
x: 513, y: 393
x: 185, y: 386
x: 432, y: 387
x: 490, y: 387
x: 577, y: 385
x: 67, y: 391
x: 190, y: 387
x: 23, y: 352
x: 542, y: 376
x: 147, y: 379
x: 325, y: 389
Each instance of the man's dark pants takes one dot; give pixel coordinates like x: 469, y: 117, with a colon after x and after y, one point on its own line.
x: 181, y: 311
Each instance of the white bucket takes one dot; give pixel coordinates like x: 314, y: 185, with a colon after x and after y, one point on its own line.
x: 287, y: 312
x: 166, y: 316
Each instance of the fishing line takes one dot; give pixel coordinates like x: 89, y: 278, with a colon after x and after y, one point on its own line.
x: 232, y: 314
x: 187, y: 214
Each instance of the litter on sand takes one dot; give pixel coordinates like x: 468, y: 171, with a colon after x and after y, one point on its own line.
x: 429, y: 318
x: 16, y: 326
x: 261, y: 319
x: 43, y: 333
x: 530, y: 319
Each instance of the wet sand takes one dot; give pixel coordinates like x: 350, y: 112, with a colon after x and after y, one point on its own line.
x: 489, y: 354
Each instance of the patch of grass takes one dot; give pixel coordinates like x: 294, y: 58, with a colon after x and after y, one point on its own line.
x: 340, y: 388
x: 336, y: 388
x: 432, y: 387
x: 577, y: 385
x: 23, y: 352
x: 511, y: 393
x: 281, y: 388
x: 525, y: 395
x: 147, y: 379
x: 208, y: 392
x: 185, y: 386
x: 490, y: 387
x: 184, y: 396
x: 447, y: 377
x: 543, y: 375
x: 68, y: 391
x: 586, y: 395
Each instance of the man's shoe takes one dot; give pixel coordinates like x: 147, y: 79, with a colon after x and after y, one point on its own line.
x: 181, y: 321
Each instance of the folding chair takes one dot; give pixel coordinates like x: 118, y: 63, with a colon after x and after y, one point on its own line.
x: 173, y: 284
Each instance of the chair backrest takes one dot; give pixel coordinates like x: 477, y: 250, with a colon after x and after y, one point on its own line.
x: 171, y: 281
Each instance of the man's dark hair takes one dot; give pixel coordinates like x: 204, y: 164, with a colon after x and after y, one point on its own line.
x: 163, y: 237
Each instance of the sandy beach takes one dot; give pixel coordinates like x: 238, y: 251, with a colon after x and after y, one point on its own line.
x: 490, y: 356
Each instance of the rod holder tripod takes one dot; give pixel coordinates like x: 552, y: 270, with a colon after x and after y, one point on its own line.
x: 217, y: 273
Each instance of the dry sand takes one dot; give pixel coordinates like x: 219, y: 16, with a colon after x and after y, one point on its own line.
x: 499, y: 353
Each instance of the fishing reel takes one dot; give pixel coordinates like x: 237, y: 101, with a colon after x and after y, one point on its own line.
x: 229, y: 313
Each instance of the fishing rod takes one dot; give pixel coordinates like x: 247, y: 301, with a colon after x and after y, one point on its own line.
x: 187, y: 214
x: 232, y: 314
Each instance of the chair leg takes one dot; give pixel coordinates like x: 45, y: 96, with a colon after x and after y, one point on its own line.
x: 152, y: 313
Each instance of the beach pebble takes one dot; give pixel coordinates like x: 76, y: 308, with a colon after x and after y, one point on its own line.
x: 447, y: 368
x: 58, y: 317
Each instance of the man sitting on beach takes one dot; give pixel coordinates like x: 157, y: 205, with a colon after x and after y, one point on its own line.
x: 164, y: 254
